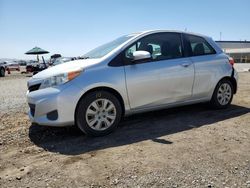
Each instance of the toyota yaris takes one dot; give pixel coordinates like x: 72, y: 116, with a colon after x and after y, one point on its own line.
x: 135, y: 73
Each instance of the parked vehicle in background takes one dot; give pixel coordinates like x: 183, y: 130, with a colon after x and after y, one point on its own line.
x: 22, y: 63
x: 61, y: 60
x: 8, y: 66
x: 53, y: 58
x: 35, y: 67
x: 135, y: 73
x: 30, y: 65
x: 2, y: 69
x: 12, y: 66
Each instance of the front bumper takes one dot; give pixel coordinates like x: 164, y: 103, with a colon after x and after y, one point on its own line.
x: 53, y: 106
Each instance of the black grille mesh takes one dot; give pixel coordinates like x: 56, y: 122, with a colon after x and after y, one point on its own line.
x: 34, y: 87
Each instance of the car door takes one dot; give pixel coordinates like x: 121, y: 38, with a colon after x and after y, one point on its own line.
x: 207, y: 65
x: 165, y: 78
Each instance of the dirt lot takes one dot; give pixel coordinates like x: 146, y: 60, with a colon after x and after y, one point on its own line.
x: 183, y: 147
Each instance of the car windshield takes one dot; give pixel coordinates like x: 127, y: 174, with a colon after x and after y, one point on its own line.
x: 106, y: 48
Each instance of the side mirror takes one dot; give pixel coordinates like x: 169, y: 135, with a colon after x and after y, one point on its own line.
x: 141, y: 55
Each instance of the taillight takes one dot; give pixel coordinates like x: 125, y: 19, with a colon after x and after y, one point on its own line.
x: 231, y: 61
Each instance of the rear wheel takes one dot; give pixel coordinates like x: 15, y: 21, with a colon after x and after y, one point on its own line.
x: 2, y: 72
x: 98, y: 113
x: 223, y: 95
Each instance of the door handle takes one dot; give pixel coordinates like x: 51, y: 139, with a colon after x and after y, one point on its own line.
x: 185, y: 64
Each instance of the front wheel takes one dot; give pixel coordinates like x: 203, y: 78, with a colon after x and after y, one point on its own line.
x: 223, y: 95
x: 98, y: 113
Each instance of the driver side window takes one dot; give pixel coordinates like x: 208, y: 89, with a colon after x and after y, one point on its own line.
x: 153, y: 49
x: 161, y: 46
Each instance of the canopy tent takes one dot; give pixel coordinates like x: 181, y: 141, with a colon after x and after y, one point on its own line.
x: 37, y: 51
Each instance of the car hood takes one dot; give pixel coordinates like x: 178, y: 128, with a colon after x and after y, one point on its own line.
x: 66, y: 67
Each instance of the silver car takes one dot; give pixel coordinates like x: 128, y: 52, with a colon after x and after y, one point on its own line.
x: 135, y: 73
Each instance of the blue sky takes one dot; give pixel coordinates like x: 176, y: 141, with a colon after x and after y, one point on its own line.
x: 73, y: 27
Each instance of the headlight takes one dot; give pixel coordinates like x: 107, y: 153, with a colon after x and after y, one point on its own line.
x: 59, y: 79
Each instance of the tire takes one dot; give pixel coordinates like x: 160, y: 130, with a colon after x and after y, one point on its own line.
x: 223, y: 95
x: 98, y: 113
x: 2, y: 72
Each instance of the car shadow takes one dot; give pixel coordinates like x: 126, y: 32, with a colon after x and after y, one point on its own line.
x: 133, y: 129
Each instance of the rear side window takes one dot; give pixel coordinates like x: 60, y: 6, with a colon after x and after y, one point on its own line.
x: 198, y: 46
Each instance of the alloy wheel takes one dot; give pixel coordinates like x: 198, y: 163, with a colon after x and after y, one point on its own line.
x: 100, y: 114
x: 224, y: 94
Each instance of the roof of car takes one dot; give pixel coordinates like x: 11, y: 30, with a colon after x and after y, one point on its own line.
x: 174, y: 31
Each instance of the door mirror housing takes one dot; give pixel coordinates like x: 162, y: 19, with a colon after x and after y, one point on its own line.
x: 141, y: 55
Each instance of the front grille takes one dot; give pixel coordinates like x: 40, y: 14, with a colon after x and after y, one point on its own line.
x: 32, y: 109
x: 34, y: 87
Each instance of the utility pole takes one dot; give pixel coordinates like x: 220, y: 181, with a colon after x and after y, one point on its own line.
x: 220, y: 35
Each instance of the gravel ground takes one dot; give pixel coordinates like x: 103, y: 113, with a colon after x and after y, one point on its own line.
x: 190, y: 146
x: 13, y: 90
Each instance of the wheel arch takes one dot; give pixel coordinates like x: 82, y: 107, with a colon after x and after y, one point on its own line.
x: 103, y: 88
x: 232, y: 80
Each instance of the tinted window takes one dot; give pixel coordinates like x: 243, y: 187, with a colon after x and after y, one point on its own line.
x: 199, y: 46
x: 161, y: 46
